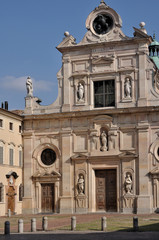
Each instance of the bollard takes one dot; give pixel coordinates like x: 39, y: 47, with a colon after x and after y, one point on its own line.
x: 20, y: 226
x: 44, y: 223
x: 73, y: 223
x: 9, y: 213
x: 104, y: 224
x: 7, y: 227
x: 135, y: 224
x: 33, y: 225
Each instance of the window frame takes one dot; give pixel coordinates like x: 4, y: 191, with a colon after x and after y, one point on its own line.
x: 10, y: 126
x: 105, y: 93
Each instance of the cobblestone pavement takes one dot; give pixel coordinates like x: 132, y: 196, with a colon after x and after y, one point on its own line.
x: 83, y: 236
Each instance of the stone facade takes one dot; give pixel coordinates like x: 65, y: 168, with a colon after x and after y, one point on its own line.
x: 95, y: 148
x: 11, y: 163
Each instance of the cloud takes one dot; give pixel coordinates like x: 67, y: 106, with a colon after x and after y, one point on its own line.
x: 19, y: 84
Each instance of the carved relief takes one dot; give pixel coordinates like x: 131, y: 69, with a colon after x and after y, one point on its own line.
x: 154, y: 149
x: 156, y: 82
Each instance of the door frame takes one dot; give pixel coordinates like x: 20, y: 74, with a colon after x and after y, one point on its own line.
x: 102, y: 165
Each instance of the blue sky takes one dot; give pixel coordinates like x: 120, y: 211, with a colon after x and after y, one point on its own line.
x: 30, y: 30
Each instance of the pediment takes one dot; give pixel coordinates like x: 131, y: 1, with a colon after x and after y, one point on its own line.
x: 103, y: 118
x: 154, y: 171
x: 139, y: 33
x: 79, y: 156
x: 67, y: 42
x: 46, y: 174
x: 102, y: 60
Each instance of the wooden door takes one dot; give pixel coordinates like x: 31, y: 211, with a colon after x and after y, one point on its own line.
x: 111, y: 195
x: 47, y: 194
x: 100, y: 190
x: 11, y: 199
x: 106, y: 197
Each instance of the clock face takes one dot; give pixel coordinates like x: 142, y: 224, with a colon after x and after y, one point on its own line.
x: 48, y: 157
x: 102, y: 24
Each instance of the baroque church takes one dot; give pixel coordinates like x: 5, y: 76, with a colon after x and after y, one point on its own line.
x: 96, y: 148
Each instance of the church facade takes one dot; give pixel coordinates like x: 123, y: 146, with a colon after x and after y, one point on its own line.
x: 96, y: 148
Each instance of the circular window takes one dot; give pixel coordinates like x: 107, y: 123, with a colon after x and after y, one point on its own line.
x: 102, y: 24
x: 48, y: 157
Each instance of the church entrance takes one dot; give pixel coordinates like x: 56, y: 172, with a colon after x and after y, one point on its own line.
x: 106, y: 190
x: 47, y: 198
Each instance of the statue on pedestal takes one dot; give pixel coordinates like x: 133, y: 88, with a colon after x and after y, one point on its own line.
x: 29, y: 87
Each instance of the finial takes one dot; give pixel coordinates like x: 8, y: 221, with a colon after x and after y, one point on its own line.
x: 67, y: 34
x: 102, y: 2
x: 154, y: 36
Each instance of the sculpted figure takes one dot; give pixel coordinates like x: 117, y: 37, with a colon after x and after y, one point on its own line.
x: 128, y: 183
x: 29, y: 87
x: 80, y: 92
x: 103, y: 141
x: 127, y: 88
x: 80, y: 185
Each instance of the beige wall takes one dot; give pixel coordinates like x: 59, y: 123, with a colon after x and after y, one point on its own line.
x: 10, y: 139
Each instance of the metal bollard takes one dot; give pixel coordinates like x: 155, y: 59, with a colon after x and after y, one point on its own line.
x: 73, y: 223
x: 33, y: 225
x: 7, y: 227
x: 9, y: 213
x: 135, y: 224
x: 104, y: 224
x: 20, y: 226
x: 44, y: 223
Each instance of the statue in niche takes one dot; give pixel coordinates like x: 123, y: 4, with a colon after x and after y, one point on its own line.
x: 80, y: 92
x: 80, y: 185
x: 29, y: 87
x: 128, y: 183
x: 127, y: 88
x: 103, y: 138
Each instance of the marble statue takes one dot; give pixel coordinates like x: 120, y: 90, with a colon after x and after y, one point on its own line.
x: 29, y: 87
x: 128, y: 183
x: 80, y: 185
x: 80, y: 92
x: 127, y: 88
x: 103, y: 141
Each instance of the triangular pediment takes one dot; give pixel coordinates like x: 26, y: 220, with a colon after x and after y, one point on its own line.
x: 103, y: 60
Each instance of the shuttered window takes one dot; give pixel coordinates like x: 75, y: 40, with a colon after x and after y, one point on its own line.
x: 20, y: 159
x: 1, y: 155
x: 11, y: 157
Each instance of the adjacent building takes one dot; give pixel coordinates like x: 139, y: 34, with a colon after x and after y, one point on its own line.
x: 11, y: 162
